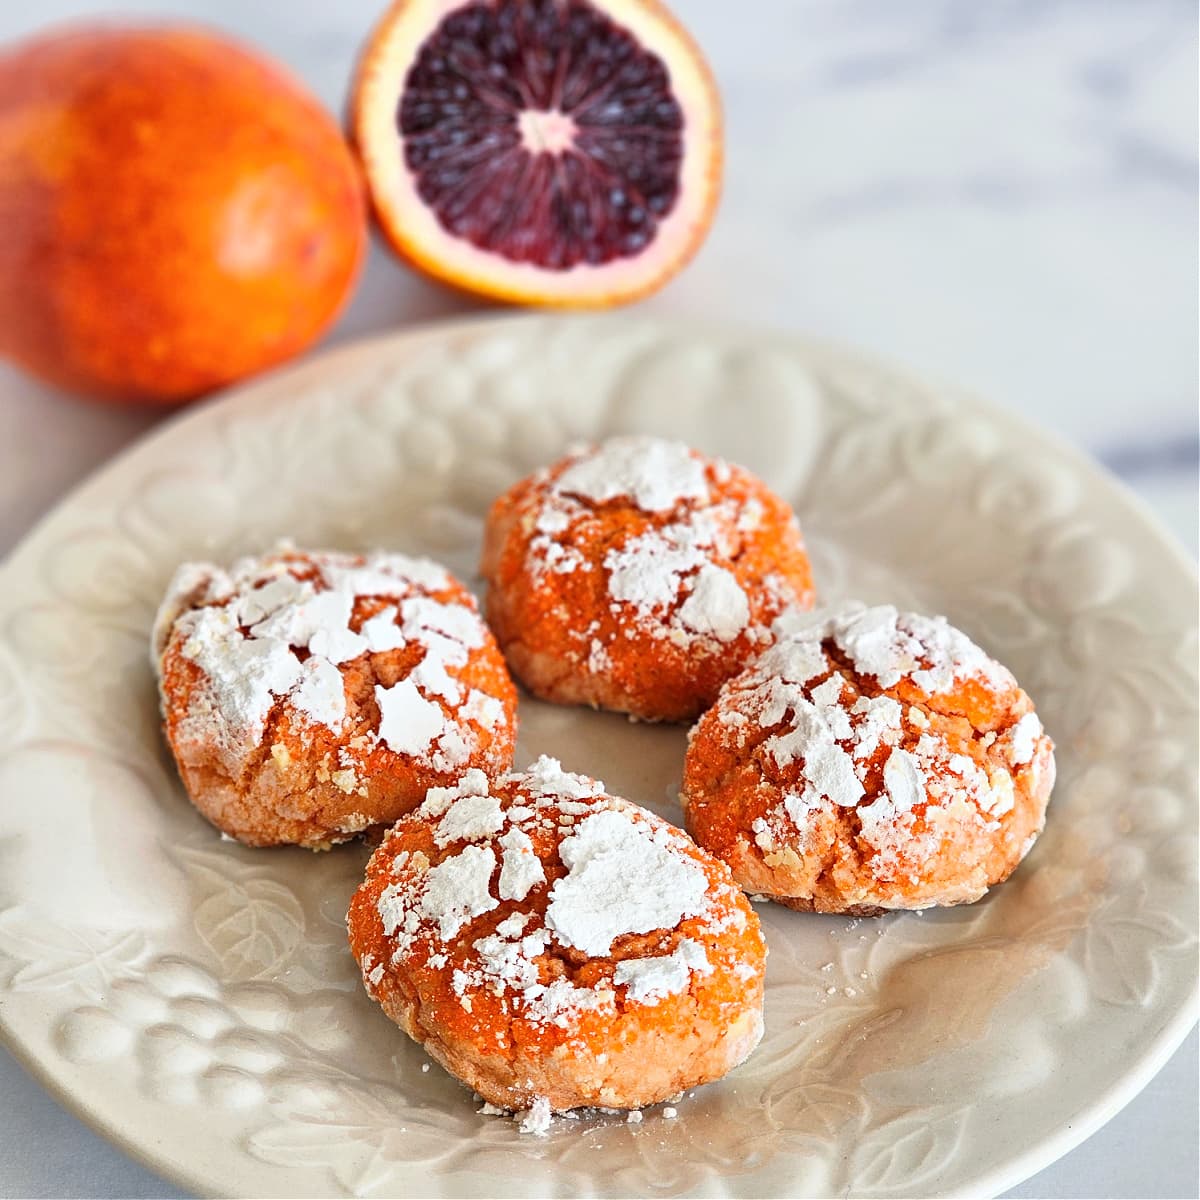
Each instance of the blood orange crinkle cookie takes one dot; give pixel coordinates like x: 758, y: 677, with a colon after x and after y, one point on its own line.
x: 556, y: 947
x: 308, y: 697
x: 639, y: 575
x: 877, y: 760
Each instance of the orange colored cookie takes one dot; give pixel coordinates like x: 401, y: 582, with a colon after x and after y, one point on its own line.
x: 308, y: 697
x: 878, y: 760
x: 555, y: 947
x: 639, y: 575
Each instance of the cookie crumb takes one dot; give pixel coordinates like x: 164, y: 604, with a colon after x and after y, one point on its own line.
x: 537, y: 1119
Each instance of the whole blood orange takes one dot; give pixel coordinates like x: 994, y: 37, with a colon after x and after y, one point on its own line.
x: 560, y: 152
x: 175, y: 211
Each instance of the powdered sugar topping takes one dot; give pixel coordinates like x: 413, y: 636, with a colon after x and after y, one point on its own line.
x: 408, y: 722
x: 928, y: 650
x: 648, y: 980
x: 457, y: 889
x: 833, y: 736
x: 672, y: 574
x: 452, y: 893
x: 814, y: 740
x: 537, y: 1119
x: 716, y: 604
x: 904, y: 780
x: 280, y: 627
x: 656, y: 475
x: 382, y: 632
x: 1023, y: 739
x: 320, y: 695
x: 625, y: 872
x: 245, y: 675
x: 667, y: 578
x: 547, y: 779
x: 623, y: 877
x: 470, y: 818
x: 520, y: 869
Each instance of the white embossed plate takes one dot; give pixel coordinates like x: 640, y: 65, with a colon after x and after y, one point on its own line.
x: 195, y: 1000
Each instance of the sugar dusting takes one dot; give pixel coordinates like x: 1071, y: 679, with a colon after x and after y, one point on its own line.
x: 618, y: 871
x: 280, y: 628
x: 1023, y: 738
x: 457, y: 889
x: 521, y: 869
x: 667, y: 578
x: 622, y: 878
x: 408, y: 722
x: 537, y: 1119
x: 656, y: 475
x: 834, y: 738
x: 892, y: 646
x: 470, y: 818
x: 672, y: 581
x: 650, y: 979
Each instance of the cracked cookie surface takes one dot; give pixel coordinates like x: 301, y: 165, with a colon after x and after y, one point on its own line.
x: 876, y: 760
x: 310, y: 697
x: 639, y: 575
x: 550, y: 944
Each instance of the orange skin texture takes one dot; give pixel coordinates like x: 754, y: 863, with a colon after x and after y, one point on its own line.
x: 177, y: 212
x: 730, y: 783
x: 540, y: 618
x: 287, y: 791
x: 638, y: 1054
x: 428, y: 260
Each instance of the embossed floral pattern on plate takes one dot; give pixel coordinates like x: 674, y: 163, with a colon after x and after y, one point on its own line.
x: 197, y: 998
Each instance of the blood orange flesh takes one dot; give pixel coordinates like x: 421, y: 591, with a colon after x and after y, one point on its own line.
x: 553, y: 151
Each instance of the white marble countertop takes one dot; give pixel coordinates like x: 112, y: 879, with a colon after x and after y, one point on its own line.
x: 1000, y: 193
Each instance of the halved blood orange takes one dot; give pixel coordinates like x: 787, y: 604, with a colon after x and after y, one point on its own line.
x: 557, y: 152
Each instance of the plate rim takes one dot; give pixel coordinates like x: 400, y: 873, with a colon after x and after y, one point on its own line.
x: 1021, y: 1166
